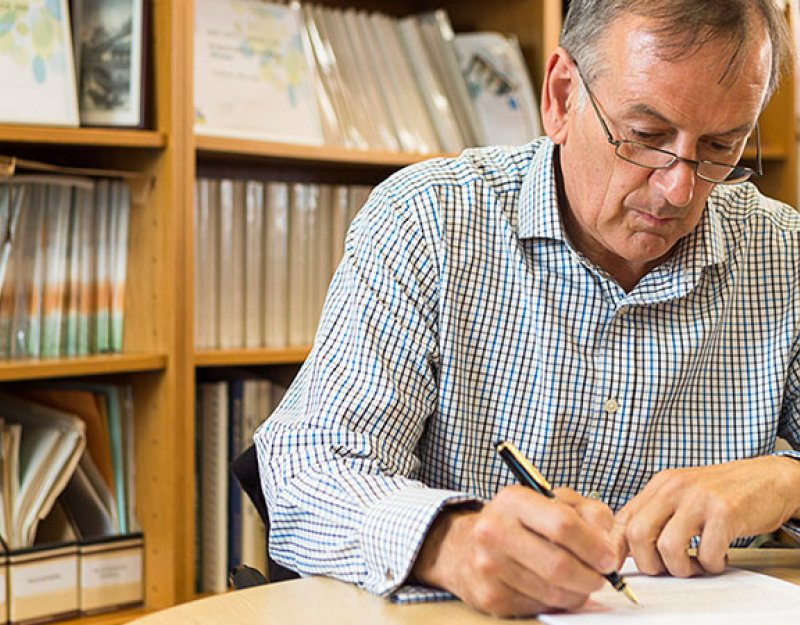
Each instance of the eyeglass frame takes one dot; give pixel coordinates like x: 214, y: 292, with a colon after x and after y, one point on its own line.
x: 695, y: 164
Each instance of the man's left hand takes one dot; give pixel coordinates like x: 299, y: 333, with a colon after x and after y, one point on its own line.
x: 719, y: 503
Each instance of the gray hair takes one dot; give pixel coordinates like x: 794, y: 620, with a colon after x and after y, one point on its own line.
x: 688, y: 24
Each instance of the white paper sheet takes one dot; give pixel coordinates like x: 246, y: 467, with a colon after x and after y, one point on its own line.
x: 736, y: 597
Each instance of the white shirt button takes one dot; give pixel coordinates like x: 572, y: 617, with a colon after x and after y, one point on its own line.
x: 611, y: 405
x: 623, y: 310
x: 389, y: 575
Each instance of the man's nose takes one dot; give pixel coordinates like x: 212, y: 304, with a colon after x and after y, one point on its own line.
x: 677, y: 182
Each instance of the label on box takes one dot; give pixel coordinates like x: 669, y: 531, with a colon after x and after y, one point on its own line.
x: 114, y: 568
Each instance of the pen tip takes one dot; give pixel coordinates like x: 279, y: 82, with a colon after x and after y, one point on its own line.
x: 629, y: 594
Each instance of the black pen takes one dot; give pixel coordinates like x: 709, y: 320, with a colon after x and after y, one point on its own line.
x: 526, y: 474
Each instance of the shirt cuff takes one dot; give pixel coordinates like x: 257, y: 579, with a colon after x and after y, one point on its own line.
x: 393, y: 532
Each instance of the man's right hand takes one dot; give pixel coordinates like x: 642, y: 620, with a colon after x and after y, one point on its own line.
x: 522, y: 553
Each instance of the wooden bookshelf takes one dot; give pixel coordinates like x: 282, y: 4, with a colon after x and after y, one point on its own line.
x: 18, y: 370
x: 118, y: 138
x: 210, y: 147
x: 250, y: 357
x: 160, y: 361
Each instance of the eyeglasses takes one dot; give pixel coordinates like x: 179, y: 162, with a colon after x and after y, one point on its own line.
x: 656, y: 158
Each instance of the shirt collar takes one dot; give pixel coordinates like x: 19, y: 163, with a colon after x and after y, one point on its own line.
x: 539, y: 215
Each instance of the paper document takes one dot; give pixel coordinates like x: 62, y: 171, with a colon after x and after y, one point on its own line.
x: 736, y: 597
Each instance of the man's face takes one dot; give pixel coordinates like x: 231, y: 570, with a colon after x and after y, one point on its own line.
x: 627, y: 218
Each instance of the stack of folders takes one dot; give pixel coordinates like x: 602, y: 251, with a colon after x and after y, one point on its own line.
x: 63, y: 258
x: 265, y: 254
x: 230, y: 532
x: 357, y: 79
x: 72, y: 545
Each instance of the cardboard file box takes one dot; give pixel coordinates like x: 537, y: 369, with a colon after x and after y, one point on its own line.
x: 42, y: 583
x: 111, y: 573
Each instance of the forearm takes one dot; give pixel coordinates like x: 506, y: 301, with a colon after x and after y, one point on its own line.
x: 330, y: 518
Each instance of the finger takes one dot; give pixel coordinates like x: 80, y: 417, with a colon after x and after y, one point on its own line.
x: 557, y: 567
x: 642, y: 532
x: 712, y: 554
x: 620, y: 543
x: 593, y: 511
x: 673, y: 544
x: 561, y: 524
x: 558, y: 581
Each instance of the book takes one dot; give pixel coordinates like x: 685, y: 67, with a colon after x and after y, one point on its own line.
x: 252, y: 73
x: 101, y: 288
x: 29, y: 276
x: 320, y: 258
x: 89, y: 503
x: 414, y: 125
x: 302, y: 209
x: 331, y: 82
x: 276, y: 265
x: 37, y: 74
x: 84, y: 405
x: 254, y: 264
x: 231, y: 263
x: 433, y: 94
x: 50, y: 447
x: 437, y: 34
x: 57, y: 213
x: 11, y: 196
x: 109, y: 40
x: 499, y: 86
x: 206, y: 262
x: 213, y: 480
x: 120, y: 210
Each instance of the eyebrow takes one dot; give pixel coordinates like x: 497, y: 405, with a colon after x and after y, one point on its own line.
x: 644, y: 109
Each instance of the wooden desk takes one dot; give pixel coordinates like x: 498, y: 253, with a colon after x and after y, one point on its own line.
x: 323, y: 601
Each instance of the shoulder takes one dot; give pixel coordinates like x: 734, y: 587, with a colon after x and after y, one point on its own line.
x: 500, y: 169
x: 744, y: 206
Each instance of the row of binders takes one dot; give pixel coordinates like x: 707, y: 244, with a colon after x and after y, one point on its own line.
x: 264, y: 257
x: 63, y: 260
x: 230, y: 531
x: 71, y: 541
x: 362, y: 80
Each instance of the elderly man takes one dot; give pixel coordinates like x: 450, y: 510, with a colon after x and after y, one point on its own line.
x: 614, y: 298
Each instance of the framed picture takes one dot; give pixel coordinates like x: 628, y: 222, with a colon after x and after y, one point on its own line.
x: 109, y: 56
x: 37, y: 77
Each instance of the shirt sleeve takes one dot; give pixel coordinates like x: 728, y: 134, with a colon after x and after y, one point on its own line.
x: 337, y: 458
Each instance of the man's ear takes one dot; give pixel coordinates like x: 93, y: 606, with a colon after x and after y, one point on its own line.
x: 559, y: 83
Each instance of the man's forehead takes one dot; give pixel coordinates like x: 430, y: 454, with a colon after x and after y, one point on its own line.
x: 638, y: 58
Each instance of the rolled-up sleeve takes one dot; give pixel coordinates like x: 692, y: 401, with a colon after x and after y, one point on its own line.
x: 337, y: 458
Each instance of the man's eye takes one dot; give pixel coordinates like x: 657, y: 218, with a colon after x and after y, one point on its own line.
x: 646, y: 136
x: 721, y: 147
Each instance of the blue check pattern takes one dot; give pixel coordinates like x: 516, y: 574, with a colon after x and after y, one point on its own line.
x: 461, y: 315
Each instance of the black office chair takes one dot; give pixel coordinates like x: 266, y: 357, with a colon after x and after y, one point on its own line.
x: 245, y: 470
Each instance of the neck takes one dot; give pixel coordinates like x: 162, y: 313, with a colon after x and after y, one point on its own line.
x: 626, y: 274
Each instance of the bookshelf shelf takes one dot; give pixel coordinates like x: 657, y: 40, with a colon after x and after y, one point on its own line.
x: 18, y: 370
x: 101, y: 137
x: 245, y: 357
x: 207, y: 146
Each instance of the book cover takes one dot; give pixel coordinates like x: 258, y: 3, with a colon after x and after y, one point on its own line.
x: 50, y: 447
x: 499, y: 86
x: 252, y: 73
x: 37, y: 74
